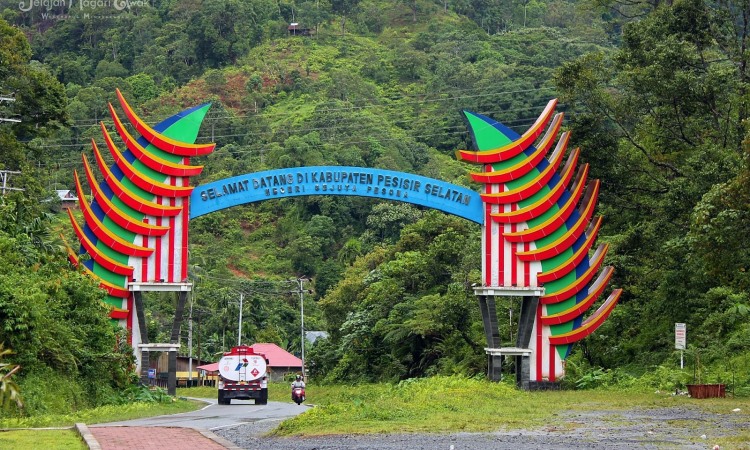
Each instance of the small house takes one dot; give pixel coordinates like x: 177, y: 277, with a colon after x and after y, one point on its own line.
x: 160, y: 365
x: 67, y: 198
x: 295, y: 29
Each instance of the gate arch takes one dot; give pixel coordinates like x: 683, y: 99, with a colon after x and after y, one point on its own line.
x: 537, y: 225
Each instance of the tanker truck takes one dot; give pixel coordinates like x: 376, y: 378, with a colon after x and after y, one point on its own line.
x: 243, y: 375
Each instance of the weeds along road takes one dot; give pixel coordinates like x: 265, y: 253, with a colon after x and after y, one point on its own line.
x: 635, y: 428
x: 215, y: 417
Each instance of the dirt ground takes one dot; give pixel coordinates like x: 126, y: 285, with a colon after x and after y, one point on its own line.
x: 640, y: 428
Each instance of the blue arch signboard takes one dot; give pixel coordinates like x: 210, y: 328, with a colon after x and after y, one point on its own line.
x: 337, y: 180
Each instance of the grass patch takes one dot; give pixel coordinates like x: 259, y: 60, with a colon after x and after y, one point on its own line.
x: 426, y: 405
x: 453, y: 404
x: 197, y: 392
x: 737, y: 442
x: 101, y: 414
x: 47, y: 439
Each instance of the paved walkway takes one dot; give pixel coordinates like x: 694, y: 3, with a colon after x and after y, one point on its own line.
x: 151, y: 438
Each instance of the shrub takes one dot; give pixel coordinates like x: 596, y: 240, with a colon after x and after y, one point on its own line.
x: 46, y: 391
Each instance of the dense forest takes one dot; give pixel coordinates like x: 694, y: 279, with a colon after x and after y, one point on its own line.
x: 657, y: 96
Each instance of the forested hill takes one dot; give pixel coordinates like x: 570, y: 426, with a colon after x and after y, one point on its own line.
x: 656, y: 95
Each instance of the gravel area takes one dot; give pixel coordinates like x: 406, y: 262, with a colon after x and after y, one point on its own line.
x: 656, y: 428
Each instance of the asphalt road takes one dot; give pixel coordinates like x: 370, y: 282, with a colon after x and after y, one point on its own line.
x: 215, y: 417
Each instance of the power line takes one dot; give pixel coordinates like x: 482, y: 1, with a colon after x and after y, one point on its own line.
x: 252, y: 129
x: 254, y: 133
x: 95, y: 122
x: 84, y: 146
x: 6, y: 98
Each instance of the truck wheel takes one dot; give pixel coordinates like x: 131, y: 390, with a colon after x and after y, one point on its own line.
x: 263, y: 399
x: 221, y: 400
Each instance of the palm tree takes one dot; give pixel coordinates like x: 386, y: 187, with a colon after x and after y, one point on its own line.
x: 350, y: 251
x: 8, y: 389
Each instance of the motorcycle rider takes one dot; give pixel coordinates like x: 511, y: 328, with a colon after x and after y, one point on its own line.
x: 298, y: 383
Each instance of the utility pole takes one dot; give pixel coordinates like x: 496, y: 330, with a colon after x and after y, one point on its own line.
x: 301, y: 292
x: 302, y: 325
x: 199, y: 340
x: 239, y: 327
x: 4, y: 175
x: 5, y: 98
x: 190, y: 341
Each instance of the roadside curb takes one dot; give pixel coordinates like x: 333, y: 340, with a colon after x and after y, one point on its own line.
x: 87, y: 436
x: 220, y: 440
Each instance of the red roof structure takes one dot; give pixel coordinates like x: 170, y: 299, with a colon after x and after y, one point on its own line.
x: 213, y: 367
x: 277, y: 356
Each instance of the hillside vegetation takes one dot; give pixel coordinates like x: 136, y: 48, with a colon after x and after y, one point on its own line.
x: 656, y: 96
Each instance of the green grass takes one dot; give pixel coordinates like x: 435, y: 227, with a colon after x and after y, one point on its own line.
x: 42, y: 439
x: 101, y: 414
x: 197, y: 392
x: 738, y: 442
x: 453, y: 404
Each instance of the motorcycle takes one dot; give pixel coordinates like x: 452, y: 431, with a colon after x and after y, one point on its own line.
x: 298, y: 395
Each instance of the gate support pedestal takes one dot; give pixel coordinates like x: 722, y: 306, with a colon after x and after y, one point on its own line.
x: 142, y: 348
x: 172, y: 349
x: 522, y: 353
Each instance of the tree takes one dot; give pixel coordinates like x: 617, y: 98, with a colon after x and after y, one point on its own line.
x: 350, y: 251
x: 143, y: 87
x: 314, y: 12
x: 344, y: 8
x: 659, y: 118
x: 15, y: 52
x: 53, y: 317
x: 387, y: 219
x: 172, y: 54
x: 402, y: 310
x: 40, y: 98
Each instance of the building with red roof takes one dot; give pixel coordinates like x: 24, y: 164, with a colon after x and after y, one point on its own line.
x: 280, y: 361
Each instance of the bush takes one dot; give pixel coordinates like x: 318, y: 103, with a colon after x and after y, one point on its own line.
x: 143, y: 394
x: 46, y: 391
x: 665, y: 379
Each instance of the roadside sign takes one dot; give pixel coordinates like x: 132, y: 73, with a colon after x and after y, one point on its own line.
x: 151, y: 373
x: 680, y: 336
